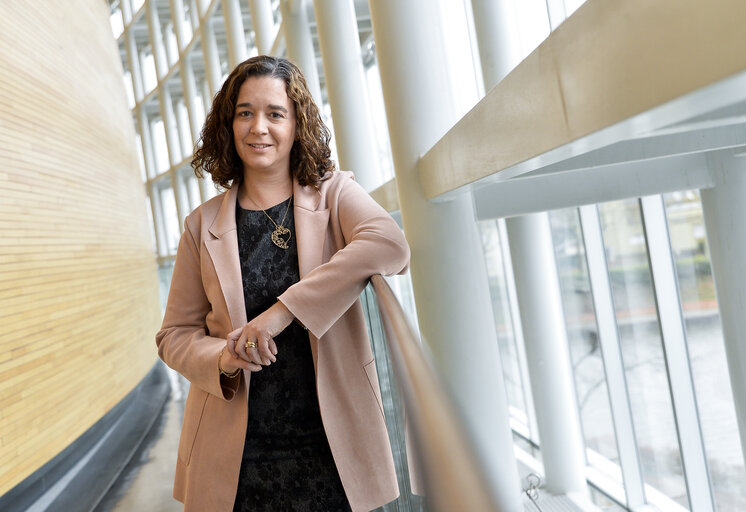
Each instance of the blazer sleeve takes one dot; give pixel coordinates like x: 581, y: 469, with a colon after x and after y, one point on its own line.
x: 183, y: 341
x: 374, y: 244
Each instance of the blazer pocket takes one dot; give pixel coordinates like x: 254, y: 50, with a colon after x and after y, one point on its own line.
x: 372, y: 375
x: 195, y: 407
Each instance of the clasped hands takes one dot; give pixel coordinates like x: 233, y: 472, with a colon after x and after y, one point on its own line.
x: 261, y: 330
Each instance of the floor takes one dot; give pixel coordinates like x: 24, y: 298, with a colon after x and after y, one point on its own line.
x: 147, y: 481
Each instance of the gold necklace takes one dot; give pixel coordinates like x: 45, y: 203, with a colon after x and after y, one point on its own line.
x: 280, y: 232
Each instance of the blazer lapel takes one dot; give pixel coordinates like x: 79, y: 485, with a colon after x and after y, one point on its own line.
x: 310, y: 227
x: 224, y: 253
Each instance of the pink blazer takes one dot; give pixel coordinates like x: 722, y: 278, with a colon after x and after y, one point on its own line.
x: 343, y: 238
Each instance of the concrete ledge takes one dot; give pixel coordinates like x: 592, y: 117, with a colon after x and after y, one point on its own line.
x: 79, y: 477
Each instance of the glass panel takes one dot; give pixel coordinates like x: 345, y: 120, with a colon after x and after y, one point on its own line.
x: 533, y: 23
x: 148, y: 67
x: 160, y: 148
x: 140, y: 157
x: 706, y: 350
x: 378, y: 111
x: 503, y: 321
x: 117, y: 23
x: 169, y: 216
x: 402, y: 288
x: 642, y: 352
x: 200, y: 109
x: 149, y: 211
x: 128, y: 90
x: 585, y: 350
x: 572, y: 5
x: 459, y: 56
x: 165, y: 271
x: 182, y: 124
x: 192, y: 190
x: 187, y: 28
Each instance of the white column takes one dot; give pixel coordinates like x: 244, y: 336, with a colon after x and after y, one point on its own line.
x: 448, y: 272
x: 547, y: 353
x: 235, y: 32
x: 150, y: 171
x: 724, y: 210
x: 156, y: 40
x: 194, y: 15
x: 133, y: 58
x: 147, y: 142
x: 177, y: 18
x: 264, y: 25
x: 164, y: 95
x: 537, y: 289
x: 186, y: 70
x: 170, y: 57
x: 497, y: 37
x: 169, y: 125
x: 347, y: 90
x: 210, y: 53
x: 126, y: 6
x: 300, y: 44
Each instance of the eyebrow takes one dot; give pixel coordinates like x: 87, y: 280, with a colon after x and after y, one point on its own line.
x: 272, y: 107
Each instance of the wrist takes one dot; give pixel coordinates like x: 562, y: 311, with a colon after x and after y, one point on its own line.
x: 222, y: 371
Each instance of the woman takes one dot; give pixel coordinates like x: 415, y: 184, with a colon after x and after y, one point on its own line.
x: 263, y: 317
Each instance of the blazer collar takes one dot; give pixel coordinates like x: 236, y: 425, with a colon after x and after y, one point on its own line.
x: 225, y: 220
x: 307, y: 198
x: 310, y: 230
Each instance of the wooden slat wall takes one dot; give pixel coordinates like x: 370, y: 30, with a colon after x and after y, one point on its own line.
x: 78, y: 288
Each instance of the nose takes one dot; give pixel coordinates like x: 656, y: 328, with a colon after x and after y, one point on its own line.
x: 259, y: 126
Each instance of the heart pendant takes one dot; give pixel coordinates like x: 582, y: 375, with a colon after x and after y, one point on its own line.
x: 281, y: 236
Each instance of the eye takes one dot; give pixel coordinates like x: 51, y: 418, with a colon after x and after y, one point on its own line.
x: 276, y: 115
x: 243, y: 113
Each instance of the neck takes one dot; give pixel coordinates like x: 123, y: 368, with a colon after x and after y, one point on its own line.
x: 259, y: 190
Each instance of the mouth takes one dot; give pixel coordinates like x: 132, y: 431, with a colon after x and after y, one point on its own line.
x: 260, y: 146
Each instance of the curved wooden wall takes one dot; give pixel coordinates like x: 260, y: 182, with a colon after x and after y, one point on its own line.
x: 78, y: 288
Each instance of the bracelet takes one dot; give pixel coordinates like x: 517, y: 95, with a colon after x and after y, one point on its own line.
x: 223, y: 372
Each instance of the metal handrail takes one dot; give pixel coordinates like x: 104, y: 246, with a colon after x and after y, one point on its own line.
x: 453, y: 476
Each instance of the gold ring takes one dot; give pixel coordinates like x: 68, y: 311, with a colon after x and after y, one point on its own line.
x: 250, y: 344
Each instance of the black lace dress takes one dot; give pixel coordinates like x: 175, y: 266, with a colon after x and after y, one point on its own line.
x: 287, y: 464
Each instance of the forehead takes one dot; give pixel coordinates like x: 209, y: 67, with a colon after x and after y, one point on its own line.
x: 263, y: 90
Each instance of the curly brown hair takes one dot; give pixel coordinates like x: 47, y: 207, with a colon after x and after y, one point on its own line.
x: 310, y: 156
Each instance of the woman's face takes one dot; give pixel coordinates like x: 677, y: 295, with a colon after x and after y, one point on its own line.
x: 264, y: 125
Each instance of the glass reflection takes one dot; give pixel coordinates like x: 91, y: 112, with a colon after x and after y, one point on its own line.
x: 642, y: 351
x: 503, y: 323
x: 706, y: 349
x: 582, y: 333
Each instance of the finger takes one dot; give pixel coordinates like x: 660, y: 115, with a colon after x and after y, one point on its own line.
x: 242, y: 350
x: 254, y: 356
x: 264, y: 352
x: 230, y: 345
x: 255, y: 367
x: 273, y: 347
